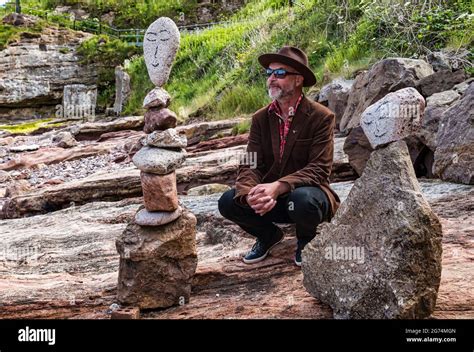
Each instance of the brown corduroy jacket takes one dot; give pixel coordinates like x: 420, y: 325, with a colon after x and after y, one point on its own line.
x: 308, y: 155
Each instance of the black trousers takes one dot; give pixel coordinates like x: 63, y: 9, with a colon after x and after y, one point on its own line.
x: 306, y: 207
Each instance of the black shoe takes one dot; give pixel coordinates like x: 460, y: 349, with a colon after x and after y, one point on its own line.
x: 299, y: 249
x: 261, y: 249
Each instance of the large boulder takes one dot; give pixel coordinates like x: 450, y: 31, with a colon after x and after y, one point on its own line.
x: 454, y: 155
x: 334, y: 95
x: 358, y: 149
x: 440, y: 81
x: 449, y: 59
x: 157, y: 263
x: 436, y: 105
x: 421, y: 141
x: 380, y: 257
x: 385, y: 76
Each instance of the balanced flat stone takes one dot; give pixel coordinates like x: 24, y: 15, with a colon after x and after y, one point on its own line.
x: 169, y: 138
x: 156, y: 218
x: 157, y: 160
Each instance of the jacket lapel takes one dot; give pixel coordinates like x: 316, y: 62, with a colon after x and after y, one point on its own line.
x: 297, y: 125
x: 275, y: 136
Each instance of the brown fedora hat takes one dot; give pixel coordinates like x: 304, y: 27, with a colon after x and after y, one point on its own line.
x: 291, y: 56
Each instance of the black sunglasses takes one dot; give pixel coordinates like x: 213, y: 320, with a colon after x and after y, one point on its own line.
x: 280, y: 72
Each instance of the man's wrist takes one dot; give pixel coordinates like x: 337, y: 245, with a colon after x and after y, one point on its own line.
x: 283, y: 187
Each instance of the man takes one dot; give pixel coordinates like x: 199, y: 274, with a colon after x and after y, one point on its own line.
x: 292, y: 140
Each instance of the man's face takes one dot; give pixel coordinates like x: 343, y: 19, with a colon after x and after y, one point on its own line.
x: 279, y: 88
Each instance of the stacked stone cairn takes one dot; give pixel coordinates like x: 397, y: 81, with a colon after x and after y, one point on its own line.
x: 158, y: 249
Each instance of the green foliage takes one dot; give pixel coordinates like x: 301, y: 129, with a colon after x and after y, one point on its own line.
x: 140, y: 85
x: 239, y: 100
x: 10, y: 34
x: 216, y: 73
x: 105, y: 53
x: 128, y: 13
x: 241, y: 127
x: 105, y: 50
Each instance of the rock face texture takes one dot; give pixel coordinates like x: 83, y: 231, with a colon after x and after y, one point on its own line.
x: 167, y: 138
x: 380, y: 257
x: 156, y: 98
x: 454, y: 155
x: 157, y: 263
x: 70, y: 270
x: 440, y: 82
x: 436, y: 105
x: 358, y: 149
x: 79, y: 101
x: 159, y: 119
x: 35, y: 69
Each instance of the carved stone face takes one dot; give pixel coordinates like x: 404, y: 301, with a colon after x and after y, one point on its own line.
x: 160, y: 45
x: 394, y: 117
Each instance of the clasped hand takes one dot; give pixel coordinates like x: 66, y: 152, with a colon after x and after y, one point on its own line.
x: 262, y: 197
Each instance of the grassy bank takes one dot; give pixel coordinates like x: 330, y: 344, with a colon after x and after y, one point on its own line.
x: 216, y: 73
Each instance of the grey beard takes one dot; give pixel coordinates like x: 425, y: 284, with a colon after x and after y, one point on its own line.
x: 276, y: 96
x: 281, y: 94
